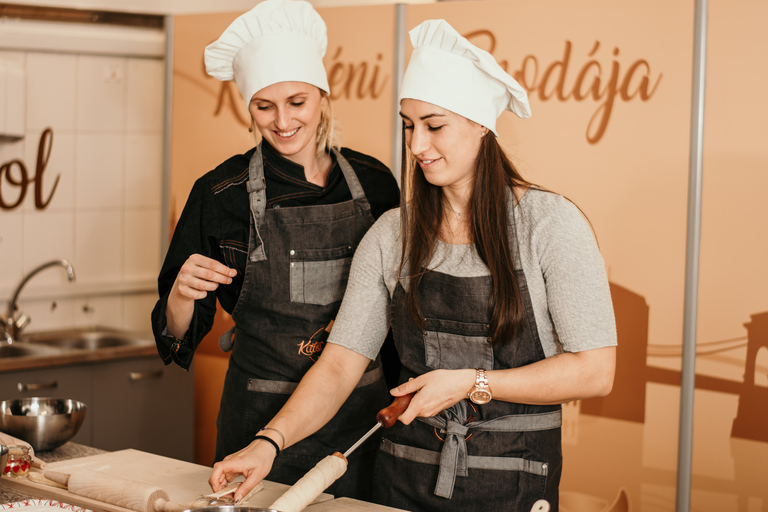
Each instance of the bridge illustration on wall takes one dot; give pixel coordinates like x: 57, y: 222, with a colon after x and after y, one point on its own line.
x: 627, y: 400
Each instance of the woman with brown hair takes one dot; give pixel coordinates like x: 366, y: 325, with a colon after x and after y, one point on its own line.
x: 496, y: 294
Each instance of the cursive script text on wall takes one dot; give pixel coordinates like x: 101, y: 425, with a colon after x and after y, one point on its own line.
x: 350, y: 80
x: 566, y: 80
x: 15, y: 179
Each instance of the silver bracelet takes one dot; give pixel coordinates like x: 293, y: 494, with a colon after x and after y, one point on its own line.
x: 278, y: 433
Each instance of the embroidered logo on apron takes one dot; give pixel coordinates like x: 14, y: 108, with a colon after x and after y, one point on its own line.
x: 314, y: 345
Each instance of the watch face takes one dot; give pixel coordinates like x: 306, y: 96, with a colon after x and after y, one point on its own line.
x: 480, y: 396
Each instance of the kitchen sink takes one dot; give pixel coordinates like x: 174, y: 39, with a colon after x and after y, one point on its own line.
x: 67, y: 346
x: 17, y: 350
x: 88, y: 339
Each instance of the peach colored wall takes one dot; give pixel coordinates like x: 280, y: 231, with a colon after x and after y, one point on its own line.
x: 209, y: 121
x: 360, y: 75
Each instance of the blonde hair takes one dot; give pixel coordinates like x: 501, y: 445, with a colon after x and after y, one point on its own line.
x: 327, y: 131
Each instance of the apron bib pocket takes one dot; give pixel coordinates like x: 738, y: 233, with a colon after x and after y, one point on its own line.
x: 451, y: 345
x: 444, y: 351
x: 319, y: 276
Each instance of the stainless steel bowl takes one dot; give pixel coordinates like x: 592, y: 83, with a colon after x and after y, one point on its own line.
x: 3, y: 458
x: 45, y: 423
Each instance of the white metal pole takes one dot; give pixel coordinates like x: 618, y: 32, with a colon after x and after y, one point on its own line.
x: 692, y: 249
x: 165, y: 207
x: 397, y: 78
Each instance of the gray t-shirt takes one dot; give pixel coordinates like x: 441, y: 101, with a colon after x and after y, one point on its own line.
x: 562, y: 264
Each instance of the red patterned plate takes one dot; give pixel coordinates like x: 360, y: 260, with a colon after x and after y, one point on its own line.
x: 44, y: 506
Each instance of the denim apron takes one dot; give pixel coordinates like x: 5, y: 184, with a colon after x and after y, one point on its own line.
x: 497, y: 456
x: 294, y: 280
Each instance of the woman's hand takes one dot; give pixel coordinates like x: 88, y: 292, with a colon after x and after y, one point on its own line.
x: 435, y: 391
x: 198, y: 276
x: 320, y: 393
x: 254, y: 462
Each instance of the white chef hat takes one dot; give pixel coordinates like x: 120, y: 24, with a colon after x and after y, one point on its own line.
x: 276, y: 41
x: 448, y: 71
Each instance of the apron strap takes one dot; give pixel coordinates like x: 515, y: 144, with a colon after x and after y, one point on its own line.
x: 355, y: 189
x: 287, y: 388
x: 257, y: 194
x: 454, y: 459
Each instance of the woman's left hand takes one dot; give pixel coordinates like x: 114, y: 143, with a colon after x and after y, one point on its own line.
x: 254, y: 462
x: 435, y: 391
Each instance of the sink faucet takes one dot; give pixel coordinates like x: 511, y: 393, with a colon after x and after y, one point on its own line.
x: 10, y: 325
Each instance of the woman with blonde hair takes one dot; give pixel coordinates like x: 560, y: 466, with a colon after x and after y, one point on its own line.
x: 496, y: 294
x: 270, y: 234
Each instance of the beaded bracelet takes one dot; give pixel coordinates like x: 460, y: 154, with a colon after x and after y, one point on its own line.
x: 272, y: 442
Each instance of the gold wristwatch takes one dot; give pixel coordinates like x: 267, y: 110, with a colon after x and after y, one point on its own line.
x: 480, y: 393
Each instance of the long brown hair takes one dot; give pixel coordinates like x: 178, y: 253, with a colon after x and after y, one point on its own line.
x: 489, y: 228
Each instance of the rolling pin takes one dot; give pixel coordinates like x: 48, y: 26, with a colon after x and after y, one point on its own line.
x: 118, y: 491
x: 330, y: 469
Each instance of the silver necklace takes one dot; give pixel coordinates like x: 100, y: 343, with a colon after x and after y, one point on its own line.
x: 460, y: 214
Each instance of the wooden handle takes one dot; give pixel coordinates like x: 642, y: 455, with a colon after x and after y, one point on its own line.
x: 124, y: 493
x: 388, y: 416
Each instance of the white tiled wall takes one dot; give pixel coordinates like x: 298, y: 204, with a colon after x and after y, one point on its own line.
x: 106, y: 113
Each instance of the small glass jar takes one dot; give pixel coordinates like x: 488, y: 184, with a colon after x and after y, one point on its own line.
x: 19, y: 462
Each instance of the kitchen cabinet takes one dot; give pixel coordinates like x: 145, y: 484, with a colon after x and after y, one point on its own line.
x: 132, y: 403
x: 141, y: 403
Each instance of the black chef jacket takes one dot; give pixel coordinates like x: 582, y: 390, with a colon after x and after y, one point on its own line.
x: 215, y: 223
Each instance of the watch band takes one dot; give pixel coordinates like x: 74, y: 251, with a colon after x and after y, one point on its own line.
x: 480, y: 393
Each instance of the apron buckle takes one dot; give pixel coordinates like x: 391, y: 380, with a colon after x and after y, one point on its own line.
x: 256, y: 185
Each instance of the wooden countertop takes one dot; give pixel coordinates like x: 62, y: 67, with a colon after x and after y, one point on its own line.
x: 183, y: 481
